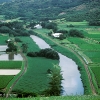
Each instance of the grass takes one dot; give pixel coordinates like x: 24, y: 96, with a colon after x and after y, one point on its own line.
x: 4, y: 80
x: 69, y: 54
x: 29, y: 41
x: 10, y: 64
x: 2, y: 39
x: 35, y: 80
x: 75, y: 40
x: 93, y: 30
x: 94, y: 56
x: 85, y: 97
x: 96, y: 71
x: 88, y: 47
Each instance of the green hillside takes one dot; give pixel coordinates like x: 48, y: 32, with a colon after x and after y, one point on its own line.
x: 72, y: 10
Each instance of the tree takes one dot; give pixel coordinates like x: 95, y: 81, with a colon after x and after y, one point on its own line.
x: 55, y: 76
x: 24, y: 47
x: 75, y: 33
x: 11, y: 47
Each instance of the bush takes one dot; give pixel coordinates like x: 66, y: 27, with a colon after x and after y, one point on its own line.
x: 94, y: 23
x: 32, y: 54
x: 48, y: 53
x: 17, y: 40
x: 75, y: 33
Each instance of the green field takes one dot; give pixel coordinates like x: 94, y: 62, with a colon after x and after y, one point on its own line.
x: 10, y: 64
x: 96, y: 71
x: 4, y: 80
x: 85, y: 97
x: 3, y: 39
x: 35, y: 80
x: 88, y: 48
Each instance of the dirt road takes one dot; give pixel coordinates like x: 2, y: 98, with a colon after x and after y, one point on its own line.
x: 21, y: 74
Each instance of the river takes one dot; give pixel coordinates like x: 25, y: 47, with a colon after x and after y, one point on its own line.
x: 72, y: 84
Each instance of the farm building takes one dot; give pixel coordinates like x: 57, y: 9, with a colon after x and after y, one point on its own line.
x: 57, y: 35
x: 38, y: 26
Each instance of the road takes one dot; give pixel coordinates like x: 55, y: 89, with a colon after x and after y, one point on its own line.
x: 21, y: 74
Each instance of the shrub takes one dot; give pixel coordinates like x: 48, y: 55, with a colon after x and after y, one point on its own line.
x: 75, y: 33
x: 48, y: 53
x: 17, y: 40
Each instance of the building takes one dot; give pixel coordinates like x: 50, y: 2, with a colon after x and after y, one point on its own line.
x: 56, y: 35
x: 38, y: 26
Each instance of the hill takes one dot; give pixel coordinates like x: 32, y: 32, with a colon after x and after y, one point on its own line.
x: 2, y: 1
x: 74, y: 10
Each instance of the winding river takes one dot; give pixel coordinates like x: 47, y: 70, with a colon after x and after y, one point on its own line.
x: 72, y: 84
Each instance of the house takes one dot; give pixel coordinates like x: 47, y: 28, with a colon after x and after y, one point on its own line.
x: 56, y: 35
x: 38, y: 26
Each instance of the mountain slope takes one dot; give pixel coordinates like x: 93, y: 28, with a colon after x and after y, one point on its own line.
x: 2, y: 1
x: 50, y: 9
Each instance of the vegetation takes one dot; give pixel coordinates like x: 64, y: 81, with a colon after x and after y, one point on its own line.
x: 75, y: 33
x: 55, y: 83
x: 94, y: 23
x: 4, y: 80
x: 48, y: 53
x: 66, y: 52
x: 85, y: 97
x: 35, y: 81
x: 49, y: 25
x: 61, y: 9
x: 11, y: 47
x: 24, y: 47
x: 3, y: 39
x: 10, y: 64
x: 14, y: 28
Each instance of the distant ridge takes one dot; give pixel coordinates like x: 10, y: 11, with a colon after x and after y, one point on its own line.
x: 72, y: 10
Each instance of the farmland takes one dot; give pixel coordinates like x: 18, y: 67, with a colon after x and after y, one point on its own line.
x: 88, y: 48
x: 10, y: 64
x: 4, y: 80
x: 3, y: 38
x: 35, y: 80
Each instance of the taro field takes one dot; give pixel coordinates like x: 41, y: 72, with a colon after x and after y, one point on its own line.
x: 8, y: 65
x: 4, y: 80
x: 36, y: 79
x: 89, y: 49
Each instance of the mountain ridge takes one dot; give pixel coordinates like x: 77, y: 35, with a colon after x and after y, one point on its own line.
x: 51, y: 9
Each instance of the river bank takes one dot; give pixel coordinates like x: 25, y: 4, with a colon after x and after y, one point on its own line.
x: 71, y: 54
x: 72, y: 84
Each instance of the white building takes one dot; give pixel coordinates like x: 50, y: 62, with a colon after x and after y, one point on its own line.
x: 38, y: 26
x: 57, y: 35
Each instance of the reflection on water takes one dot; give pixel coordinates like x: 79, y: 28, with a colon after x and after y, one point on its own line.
x: 10, y: 57
x: 72, y: 84
x: 3, y: 48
